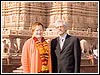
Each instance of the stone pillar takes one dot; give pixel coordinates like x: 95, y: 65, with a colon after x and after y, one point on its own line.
x: 18, y: 43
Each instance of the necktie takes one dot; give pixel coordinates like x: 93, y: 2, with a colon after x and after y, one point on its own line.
x: 62, y: 40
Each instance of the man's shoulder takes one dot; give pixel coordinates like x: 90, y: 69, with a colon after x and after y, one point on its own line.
x: 54, y: 39
x: 73, y: 38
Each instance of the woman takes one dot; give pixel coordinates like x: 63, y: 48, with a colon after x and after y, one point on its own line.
x: 36, y: 53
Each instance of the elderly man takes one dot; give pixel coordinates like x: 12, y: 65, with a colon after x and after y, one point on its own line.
x: 65, y: 51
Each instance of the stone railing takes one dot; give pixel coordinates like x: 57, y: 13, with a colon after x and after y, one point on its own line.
x: 50, y: 33
x: 16, y: 32
x: 83, y: 33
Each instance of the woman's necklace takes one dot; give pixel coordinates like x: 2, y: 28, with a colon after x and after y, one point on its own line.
x: 43, y: 50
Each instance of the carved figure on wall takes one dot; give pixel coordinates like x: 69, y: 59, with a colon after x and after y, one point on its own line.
x: 85, y: 48
x: 5, y: 47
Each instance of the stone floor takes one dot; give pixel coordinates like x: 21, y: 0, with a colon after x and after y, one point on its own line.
x: 87, y: 66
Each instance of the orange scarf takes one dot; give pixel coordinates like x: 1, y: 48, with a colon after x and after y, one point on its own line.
x: 43, y: 51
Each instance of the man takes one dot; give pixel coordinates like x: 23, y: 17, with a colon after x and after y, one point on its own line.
x: 65, y: 51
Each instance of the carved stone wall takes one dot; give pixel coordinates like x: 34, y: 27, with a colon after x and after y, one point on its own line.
x: 21, y: 15
x: 80, y: 15
x: 85, y: 15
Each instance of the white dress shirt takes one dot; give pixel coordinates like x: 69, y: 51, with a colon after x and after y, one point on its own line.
x: 62, y: 40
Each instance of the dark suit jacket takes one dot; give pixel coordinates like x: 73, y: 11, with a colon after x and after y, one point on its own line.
x: 68, y: 59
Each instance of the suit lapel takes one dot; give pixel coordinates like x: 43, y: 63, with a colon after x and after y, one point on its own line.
x: 58, y: 44
x: 58, y: 49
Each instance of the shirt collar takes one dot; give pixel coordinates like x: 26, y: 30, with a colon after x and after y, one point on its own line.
x: 63, y: 37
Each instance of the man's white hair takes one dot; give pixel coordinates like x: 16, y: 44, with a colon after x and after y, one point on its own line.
x: 60, y: 21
